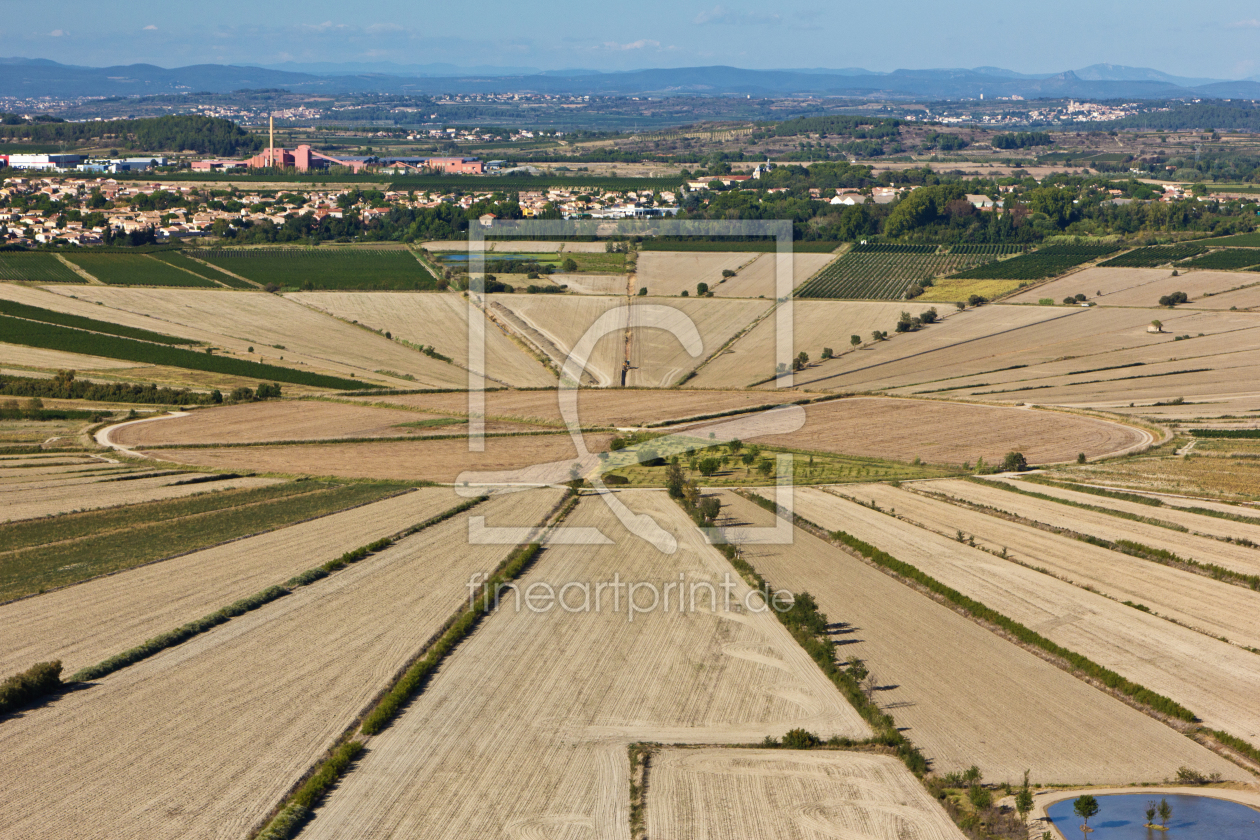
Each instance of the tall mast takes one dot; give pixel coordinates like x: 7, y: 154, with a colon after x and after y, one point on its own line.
x: 271, y: 149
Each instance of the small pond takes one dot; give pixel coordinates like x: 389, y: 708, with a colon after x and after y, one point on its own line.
x: 1123, y: 817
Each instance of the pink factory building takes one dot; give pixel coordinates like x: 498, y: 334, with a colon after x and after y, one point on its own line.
x: 304, y: 158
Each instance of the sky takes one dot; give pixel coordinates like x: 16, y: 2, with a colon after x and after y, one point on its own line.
x: 1217, y: 40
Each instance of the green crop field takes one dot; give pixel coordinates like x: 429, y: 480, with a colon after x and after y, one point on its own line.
x: 325, y: 268
x: 1239, y: 240
x: 1226, y: 259
x: 37, y: 267
x: 48, y: 316
x: 882, y: 275
x: 756, y: 246
x: 136, y: 270
x: 58, y: 551
x: 1153, y: 256
x: 54, y: 337
x: 892, y: 248
x: 1048, y: 262
x: 181, y: 260
x: 995, y: 250
x: 586, y: 263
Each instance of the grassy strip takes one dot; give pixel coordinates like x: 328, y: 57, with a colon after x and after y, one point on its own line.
x: 748, y: 410
x: 1097, y: 491
x: 325, y: 441
x: 40, y: 568
x: 69, y: 526
x: 1236, y: 744
x: 54, y: 337
x: 49, y: 316
x: 293, y: 812
x: 416, y: 676
x: 1119, y: 514
x: 1167, y: 558
x: 1026, y: 636
x: 1142, y: 500
x: 180, y: 634
x: 311, y: 792
x: 39, y: 680
x: 809, y: 627
x: 253, y: 602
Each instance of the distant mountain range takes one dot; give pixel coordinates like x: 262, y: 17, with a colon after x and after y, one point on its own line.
x: 41, y: 77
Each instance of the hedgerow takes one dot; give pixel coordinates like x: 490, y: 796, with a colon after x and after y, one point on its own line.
x: 55, y: 337
x: 37, y: 681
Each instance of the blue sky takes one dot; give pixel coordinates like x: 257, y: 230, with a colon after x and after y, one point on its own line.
x: 1218, y: 39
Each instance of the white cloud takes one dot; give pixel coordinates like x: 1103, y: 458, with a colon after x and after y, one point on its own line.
x: 56, y: 33
x: 720, y: 15
x: 641, y: 44
x: 150, y: 28
x: 1253, y: 23
x: 382, y: 28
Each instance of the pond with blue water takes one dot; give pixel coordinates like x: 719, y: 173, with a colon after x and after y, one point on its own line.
x: 1123, y: 817
x: 498, y: 255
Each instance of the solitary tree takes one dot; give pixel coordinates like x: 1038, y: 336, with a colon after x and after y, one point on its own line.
x: 1014, y: 462
x: 1151, y: 808
x: 569, y: 264
x: 702, y: 289
x: 1085, y: 807
x: 1024, y: 800
x: 855, y: 340
x: 1165, y: 812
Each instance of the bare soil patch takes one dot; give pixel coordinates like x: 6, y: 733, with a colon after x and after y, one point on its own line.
x: 27, y: 502
x: 707, y: 794
x: 952, y: 433
x: 420, y: 460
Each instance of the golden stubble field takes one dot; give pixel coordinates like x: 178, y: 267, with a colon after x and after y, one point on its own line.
x: 91, y: 621
x: 285, y: 420
x: 239, y: 320
x: 433, y: 319
x: 714, y: 794
x: 1213, y: 608
x: 1215, y: 680
x: 204, y: 739
x: 27, y: 502
x: 618, y: 407
x: 523, y: 732
x: 941, y: 432
x: 409, y: 460
x: 964, y: 694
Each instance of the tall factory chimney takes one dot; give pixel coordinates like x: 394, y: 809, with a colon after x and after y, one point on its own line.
x: 271, y: 149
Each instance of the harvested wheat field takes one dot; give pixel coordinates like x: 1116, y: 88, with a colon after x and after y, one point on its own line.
x: 436, y: 320
x: 1204, y: 549
x: 757, y: 279
x: 419, y: 460
x: 1216, y: 609
x: 1248, y: 298
x: 554, y: 324
x: 815, y: 325
x: 91, y: 621
x: 240, y: 320
x: 234, y: 717
x: 1093, y: 281
x: 40, y: 359
x: 1201, y: 287
x: 963, y: 694
x: 669, y: 273
x: 596, y: 407
x: 953, y: 433
x: 570, y: 688
x: 1215, y: 680
x: 715, y: 794
x: 942, y: 350
x: 1226, y: 479
x: 26, y: 502
x: 659, y: 358
x: 288, y: 420
x: 588, y: 284
x: 58, y: 468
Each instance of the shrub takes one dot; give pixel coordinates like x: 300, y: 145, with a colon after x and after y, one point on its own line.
x: 1174, y: 299
x: 1014, y: 462
x: 800, y: 739
x: 39, y: 680
x: 643, y: 291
